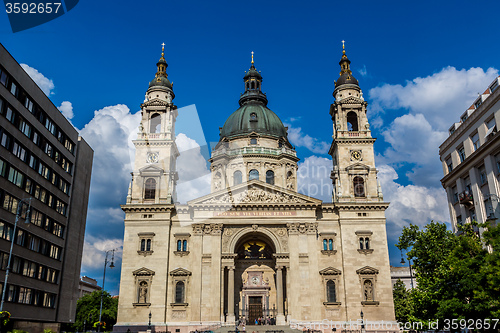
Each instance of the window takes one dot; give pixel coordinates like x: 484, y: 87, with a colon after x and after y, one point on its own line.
x: 482, y: 175
x: 145, y: 243
x: 55, y: 251
x: 364, y: 243
x: 28, y: 104
x: 270, y: 177
x: 181, y: 241
x: 19, y: 152
x: 13, y: 89
x: 449, y: 164
x: 331, y: 294
x: 468, y: 188
x: 10, y: 204
x: 150, y: 189
x: 352, y: 121
x: 491, y: 127
x: 15, y: 177
x: 253, y: 116
x: 253, y: 141
x: 472, y: 214
x: 3, y: 167
x: 253, y: 174
x: 25, y: 128
x: 359, y: 186
x: 179, y: 292
x: 475, y: 141
x: 494, y: 85
x: 459, y: 220
x: 179, y: 245
x: 478, y: 102
x: 155, y: 123
x: 454, y: 194
x: 3, y: 78
x: 464, y: 117
x: 237, y: 177
x: 461, y: 154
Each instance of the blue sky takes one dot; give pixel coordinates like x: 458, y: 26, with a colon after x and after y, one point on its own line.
x: 420, y: 65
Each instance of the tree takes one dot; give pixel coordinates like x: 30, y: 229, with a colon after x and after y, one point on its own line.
x: 402, y: 302
x: 87, y: 309
x: 457, y: 277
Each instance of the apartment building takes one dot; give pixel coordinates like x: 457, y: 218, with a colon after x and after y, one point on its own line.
x: 45, y: 163
x: 471, y: 160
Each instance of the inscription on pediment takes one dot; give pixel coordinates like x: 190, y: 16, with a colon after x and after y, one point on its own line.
x: 255, y: 195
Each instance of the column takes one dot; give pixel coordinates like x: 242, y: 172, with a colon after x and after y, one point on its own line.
x: 230, y: 296
x: 288, y: 292
x: 280, y: 318
x: 222, y: 294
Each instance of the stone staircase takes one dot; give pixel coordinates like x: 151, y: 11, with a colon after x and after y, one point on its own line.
x: 258, y: 329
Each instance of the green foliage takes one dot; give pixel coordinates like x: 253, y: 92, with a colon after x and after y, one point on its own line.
x: 87, y: 309
x: 18, y: 331
x: 48, y: 330
x: 402, y: 303
x: 457, y: 276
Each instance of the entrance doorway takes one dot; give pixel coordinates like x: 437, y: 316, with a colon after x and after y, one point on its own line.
x: 254, y: 309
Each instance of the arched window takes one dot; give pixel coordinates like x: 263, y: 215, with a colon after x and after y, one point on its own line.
x: 179, y: 245
x: 253, y: 116
x: 143, y: 245
x: 184, y: 245
x: 270, y: 177
x: 253, y: 174
x: 330, y: 244
x: 325, y: 244
x: 148, y: 245
x: 359, y: 186
x: 253, y: 141
x: 150, y: 190
x: 179, y: 292
x: 155, y: 123
x: 331, y: 294
x: 361, y: 243
x: 352, y: 121
x: 367, y: 243
x: 237, y: 177
x: 252, y: 85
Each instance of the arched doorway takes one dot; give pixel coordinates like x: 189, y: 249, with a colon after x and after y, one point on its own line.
x: 255, y: 279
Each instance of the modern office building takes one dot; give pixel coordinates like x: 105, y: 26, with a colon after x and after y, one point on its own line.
x: 471, y: 160
x: 45, y: 163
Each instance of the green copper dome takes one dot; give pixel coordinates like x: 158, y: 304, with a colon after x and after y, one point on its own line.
x: 253, y: 114
x: 161, y: 81
x: 253, y: 117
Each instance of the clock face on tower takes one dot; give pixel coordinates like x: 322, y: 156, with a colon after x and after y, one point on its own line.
x: 355, y: 155
x: 255, y: 280
x: 153, y: 158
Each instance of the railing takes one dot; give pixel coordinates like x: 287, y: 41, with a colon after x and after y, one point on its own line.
x: 154, y: 136
x: 254, y: 150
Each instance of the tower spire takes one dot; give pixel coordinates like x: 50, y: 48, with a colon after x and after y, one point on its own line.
x: 253, y: 85
x: 345, y: 70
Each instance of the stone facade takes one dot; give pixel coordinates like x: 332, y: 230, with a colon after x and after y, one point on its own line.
x: 254, y: 246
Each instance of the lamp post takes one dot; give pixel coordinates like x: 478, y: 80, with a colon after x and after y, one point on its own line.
x: 103, y: 280
x: 149, y: 324
x: 409, y: 264
x: 27, y: 220
x: 362, y: 323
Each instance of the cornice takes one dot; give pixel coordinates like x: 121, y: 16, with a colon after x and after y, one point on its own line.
x: 361, y: 206
x: 148, y: 208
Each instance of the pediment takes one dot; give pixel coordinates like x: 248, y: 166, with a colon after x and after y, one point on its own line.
x: 255, y: 191
x: 351, y: 100
x: 180, y: 272
x: 330, y: 271
x: 156, y: 102
x: 367, y: 270
x: 358, y: 167
x: 151, y: 170
x: 143, y: 272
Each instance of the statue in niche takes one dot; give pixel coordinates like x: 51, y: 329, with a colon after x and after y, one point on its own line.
x: 143, y: 292
x: 368, y: 286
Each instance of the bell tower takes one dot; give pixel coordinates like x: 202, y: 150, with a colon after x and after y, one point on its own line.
x: 154, y: 178
x: 354, y: 175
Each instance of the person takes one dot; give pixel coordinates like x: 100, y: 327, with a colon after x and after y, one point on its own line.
x: 256, y: 321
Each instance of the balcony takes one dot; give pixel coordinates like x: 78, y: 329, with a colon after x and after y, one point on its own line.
x: 465, y: 198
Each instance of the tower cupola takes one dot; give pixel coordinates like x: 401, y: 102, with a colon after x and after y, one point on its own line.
x: 161, y: 76
x: 345, y: 71
x: 253, y: 86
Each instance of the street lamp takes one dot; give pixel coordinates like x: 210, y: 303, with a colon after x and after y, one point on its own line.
x: 362, y: 323
x: 149, y: 324
x: 409, y: 264
x: 27, y: 220
x: 103, y: 280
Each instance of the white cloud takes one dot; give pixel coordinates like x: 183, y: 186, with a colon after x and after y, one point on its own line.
x: 313, y: 178
x: 441, y: 97
x: 194, y: 175
x: 299, y: 139
x: 94, y: 252
x: 66, y: 109
x: 47, y: 85
x: 362, y: 71
x: 411, y: 203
